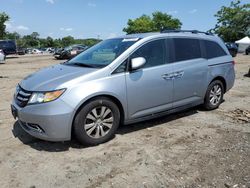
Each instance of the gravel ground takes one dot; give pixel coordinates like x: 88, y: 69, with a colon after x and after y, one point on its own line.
x: 194, y: 148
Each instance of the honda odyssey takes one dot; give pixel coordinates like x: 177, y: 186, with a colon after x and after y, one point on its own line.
x: 121, y: 81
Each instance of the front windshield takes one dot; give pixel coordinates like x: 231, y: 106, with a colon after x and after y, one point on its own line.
x: 103, y: 53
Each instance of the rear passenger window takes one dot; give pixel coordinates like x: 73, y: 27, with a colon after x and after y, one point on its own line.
x: 186, y: 49
x: 213, y: 49
x: 154, y: 52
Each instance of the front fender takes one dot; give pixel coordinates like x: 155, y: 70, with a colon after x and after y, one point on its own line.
x: 114, y: 86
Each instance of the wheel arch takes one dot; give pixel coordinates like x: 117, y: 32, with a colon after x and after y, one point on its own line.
x: 109, y: 96
x: 222, y: 79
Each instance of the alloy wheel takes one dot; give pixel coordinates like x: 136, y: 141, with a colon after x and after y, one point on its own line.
x: 98, y: 122
x: 215, y: 94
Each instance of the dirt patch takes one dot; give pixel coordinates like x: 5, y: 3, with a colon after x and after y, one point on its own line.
x: 239, y: 115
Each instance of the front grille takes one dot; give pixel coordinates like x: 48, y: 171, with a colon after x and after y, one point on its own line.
x: 22, y: 96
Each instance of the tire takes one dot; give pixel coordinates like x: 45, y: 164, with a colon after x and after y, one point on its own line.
x: 97, y: 121
x: 211, y: 93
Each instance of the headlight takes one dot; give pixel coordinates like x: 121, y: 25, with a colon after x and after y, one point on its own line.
x: 42, y: 97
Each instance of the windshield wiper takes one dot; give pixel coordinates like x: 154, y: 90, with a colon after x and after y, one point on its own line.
x: 65, y: 62
x: 81, y: 64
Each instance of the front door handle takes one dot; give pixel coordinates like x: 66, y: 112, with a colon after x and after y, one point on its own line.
x: 168, y: 76
x: 172, y: 76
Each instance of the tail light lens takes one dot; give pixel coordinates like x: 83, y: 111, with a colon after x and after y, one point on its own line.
x: 233, y: 62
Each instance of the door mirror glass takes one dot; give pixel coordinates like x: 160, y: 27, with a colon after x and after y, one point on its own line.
x: 137, y: 63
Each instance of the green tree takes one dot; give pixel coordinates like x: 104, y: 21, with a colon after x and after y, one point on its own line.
x: 156, y: 22
x: 30, y: 41
x: 139, y: 25
x: 57, y: 43
x: 13, y: 36
x: 50, y: 42
x: 233, y: 22
x: 163, y: 20
x: 66, y: 41
x: 34, y: 35
x: 21, y: 43
x: 3, y: 18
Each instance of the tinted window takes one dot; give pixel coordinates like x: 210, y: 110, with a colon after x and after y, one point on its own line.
x: 154, y: 52
x: 213, y: 49
x: 7, y: 44
x: 186, y: 49
x: 3, y: 44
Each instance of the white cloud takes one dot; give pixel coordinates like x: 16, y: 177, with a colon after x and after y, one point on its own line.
x: 50, y: 1
x: 11, y: 28
x: 193, y: 11
x: 8, y: 25
x: 173, y: 12
x: 66, y: 29
x: 21, y: 27
x: 91, y: 4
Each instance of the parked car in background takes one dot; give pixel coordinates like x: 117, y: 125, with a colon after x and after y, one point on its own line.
x: 124, y: 80
x: 2, y: 56
x: 247, y: 50
x: 8, y: 47
x: 20, y: 51
x: 28, y: 50
x: 43, y: 50
x: 50, y: 50
x: 36, y: 51
x: 69, y: 52
x: 232, y: 48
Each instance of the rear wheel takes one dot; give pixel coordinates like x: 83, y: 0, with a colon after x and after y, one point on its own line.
x: 97, y: 121
x: 214, y: 95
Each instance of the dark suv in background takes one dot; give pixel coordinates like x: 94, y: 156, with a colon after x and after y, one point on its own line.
x: 8, y: 47
x: 70, y: 51
x: 232, y: 48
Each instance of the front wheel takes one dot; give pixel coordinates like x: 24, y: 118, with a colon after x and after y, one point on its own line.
x: 214, y: 95
x: 97, y: 121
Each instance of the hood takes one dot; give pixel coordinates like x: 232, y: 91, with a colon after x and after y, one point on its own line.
x: 53, y: 77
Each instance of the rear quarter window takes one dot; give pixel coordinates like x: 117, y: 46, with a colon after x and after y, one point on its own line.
x: 2, y: 44
x: 213, y: 49
x: 186, y: 49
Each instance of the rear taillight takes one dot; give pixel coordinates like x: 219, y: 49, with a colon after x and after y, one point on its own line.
x: 233, y: 62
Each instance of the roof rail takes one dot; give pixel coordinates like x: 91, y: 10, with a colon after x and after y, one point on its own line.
x: 186, y: 31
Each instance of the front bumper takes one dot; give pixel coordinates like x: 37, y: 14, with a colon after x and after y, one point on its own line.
x: 48, y: 121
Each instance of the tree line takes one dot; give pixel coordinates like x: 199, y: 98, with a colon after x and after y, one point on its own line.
x: 233, y: 23
x: 33, y: 40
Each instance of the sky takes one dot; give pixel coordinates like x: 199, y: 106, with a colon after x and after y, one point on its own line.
x: 102, y: 18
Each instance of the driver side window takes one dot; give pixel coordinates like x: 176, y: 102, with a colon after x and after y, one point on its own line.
x: 154, y: 52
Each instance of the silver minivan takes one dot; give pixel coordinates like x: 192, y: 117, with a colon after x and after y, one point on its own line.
x: 121, y: 81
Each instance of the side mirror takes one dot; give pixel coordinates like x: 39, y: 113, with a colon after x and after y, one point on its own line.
x: 137, y: 63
